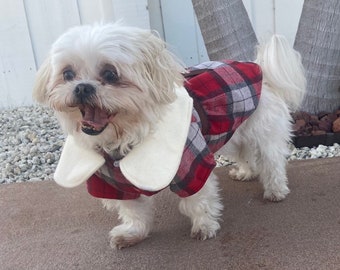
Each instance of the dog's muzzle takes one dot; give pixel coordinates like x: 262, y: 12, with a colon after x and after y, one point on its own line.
x: 95, y: 119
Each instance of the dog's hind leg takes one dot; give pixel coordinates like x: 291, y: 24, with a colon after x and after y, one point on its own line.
x: 272, y: 146
x: 240, y: 151
x: 273, y: 172
x: 204, y: 209
x: 245, y: 168
x: 260, y: 146
x: 137, y: 220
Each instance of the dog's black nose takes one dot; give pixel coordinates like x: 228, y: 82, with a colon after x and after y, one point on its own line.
x: 84, y: 91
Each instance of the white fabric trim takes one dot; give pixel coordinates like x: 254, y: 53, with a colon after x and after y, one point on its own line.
x: 153, y: 164
x: 76, y: 164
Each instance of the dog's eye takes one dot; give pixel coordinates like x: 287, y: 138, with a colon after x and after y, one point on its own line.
x: 110, y: 76
x: 68, y: 75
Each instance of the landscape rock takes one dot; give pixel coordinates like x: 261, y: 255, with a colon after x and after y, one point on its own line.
x: 336, y: 125
x: 306, y: 124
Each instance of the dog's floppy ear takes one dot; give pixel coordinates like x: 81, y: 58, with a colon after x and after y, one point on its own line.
x: 163, y: 69
x: 41, y: 80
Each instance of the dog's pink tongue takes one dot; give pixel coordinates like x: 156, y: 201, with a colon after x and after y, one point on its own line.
x: 95, y: 117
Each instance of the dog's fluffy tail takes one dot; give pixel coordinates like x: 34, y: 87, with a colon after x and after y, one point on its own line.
x: 282, y: 70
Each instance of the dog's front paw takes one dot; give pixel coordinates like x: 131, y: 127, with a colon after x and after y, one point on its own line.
x: 205, y: 229
x: 123, y: 237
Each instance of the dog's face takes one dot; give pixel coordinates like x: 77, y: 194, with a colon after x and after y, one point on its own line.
x: 108, y: 82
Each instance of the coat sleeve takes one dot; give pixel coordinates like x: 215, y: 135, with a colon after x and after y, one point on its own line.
x: 197, y: 162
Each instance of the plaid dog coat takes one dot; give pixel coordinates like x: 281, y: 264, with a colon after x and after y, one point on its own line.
x: 225, y: 94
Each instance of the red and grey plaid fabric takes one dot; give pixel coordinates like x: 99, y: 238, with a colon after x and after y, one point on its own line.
x: 110, y: 183
x: 196, y: 164
x: 227, y: 93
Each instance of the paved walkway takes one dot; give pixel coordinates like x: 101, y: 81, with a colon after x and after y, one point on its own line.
x: 43, y: 226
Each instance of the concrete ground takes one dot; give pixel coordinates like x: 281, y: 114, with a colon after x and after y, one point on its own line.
x: 44, y: 226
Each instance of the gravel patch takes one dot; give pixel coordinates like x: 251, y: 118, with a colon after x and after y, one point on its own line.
x: 31, y: 142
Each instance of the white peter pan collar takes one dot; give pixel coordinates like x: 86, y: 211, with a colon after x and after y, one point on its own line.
x: 150, y: 166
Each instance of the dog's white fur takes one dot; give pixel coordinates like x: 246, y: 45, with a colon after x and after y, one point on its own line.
x: 147, y: 73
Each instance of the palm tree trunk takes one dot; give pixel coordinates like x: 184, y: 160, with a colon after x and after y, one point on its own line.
x: 318, y: 41
x: 226, y: 29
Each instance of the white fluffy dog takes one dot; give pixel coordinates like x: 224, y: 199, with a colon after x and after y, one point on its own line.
x: 113, y: 87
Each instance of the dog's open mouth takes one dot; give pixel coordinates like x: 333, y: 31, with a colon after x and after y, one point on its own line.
x: 95, y: 120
